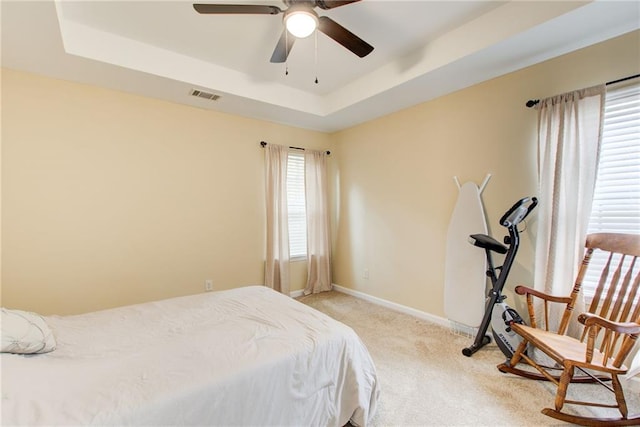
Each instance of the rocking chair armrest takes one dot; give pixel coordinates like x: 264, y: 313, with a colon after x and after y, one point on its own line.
x: 590, y: 319
x: 524, y: 290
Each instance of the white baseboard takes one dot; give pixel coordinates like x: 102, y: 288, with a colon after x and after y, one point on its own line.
x: 296, y: 294
x: 394, y: 306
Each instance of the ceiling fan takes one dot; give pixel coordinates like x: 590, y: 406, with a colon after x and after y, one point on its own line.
x: 298, y: 13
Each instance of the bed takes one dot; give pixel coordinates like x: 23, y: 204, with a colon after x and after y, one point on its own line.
x: 243, y: 357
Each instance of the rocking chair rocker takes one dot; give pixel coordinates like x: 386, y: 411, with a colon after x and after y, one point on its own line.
x: 610, y: 329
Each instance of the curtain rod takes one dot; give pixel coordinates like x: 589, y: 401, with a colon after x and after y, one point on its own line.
x: 532, y: 102
x: 264, y: 144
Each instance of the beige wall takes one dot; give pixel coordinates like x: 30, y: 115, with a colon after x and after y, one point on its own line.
x: 397, y: 193
x: 111, y: 199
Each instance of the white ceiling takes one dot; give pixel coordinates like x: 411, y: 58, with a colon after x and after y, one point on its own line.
x: 423, y: 49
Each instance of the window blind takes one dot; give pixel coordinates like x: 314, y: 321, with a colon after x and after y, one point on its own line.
x: 616, y: 202
x: 296, y: 206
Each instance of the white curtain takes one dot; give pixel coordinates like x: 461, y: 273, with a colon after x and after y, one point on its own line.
x: 277, y: 260
x: 318, y: 234
x: 569, y: 133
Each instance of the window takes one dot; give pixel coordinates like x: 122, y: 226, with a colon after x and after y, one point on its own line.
x: 296, y: 206
x: 616, y: 203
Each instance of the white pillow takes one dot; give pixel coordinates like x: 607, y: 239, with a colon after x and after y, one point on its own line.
x: 24, y: 332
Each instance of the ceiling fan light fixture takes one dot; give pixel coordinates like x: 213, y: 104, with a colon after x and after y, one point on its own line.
x: 301, y: 23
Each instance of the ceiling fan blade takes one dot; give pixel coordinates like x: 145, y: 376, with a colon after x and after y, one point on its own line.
x: 247, y: 9
x: 343, y: 36
x: 283, y: 48
x: 331, y: 4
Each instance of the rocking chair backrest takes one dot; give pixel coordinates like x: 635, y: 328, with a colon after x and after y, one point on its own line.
x: 617, y: 294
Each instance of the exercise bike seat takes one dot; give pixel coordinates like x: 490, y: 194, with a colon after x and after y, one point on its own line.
x: 487, y: 242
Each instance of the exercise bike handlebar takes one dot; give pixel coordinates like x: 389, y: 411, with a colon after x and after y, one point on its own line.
x: 518, y: 212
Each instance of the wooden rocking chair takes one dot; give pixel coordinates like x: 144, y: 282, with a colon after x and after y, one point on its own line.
x: 610, y: 329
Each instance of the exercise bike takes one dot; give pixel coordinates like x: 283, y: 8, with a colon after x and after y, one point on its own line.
x: 503, y: 318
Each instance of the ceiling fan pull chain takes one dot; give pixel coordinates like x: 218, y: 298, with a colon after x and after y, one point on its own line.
x: 286, y: 49
x: 316, y: 53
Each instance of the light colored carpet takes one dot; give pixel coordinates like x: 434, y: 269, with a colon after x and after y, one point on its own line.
x: 426, y: 381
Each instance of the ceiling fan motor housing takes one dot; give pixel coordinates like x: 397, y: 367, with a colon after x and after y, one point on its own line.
x: 303, y: 3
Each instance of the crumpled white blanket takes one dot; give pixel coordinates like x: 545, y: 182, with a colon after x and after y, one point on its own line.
x: 244, y: 357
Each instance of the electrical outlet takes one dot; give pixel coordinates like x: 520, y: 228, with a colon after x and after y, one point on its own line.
x: 208, y: 285
x: 365, y: 273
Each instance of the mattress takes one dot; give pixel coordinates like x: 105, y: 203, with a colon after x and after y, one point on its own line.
x: 248, y: 356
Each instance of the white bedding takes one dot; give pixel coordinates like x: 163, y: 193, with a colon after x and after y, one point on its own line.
x: 248, y: 356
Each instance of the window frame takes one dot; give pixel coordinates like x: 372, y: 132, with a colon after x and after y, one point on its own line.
x: 296, y: 205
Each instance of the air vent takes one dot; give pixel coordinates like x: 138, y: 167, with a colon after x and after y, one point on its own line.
x: 205, y: 95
